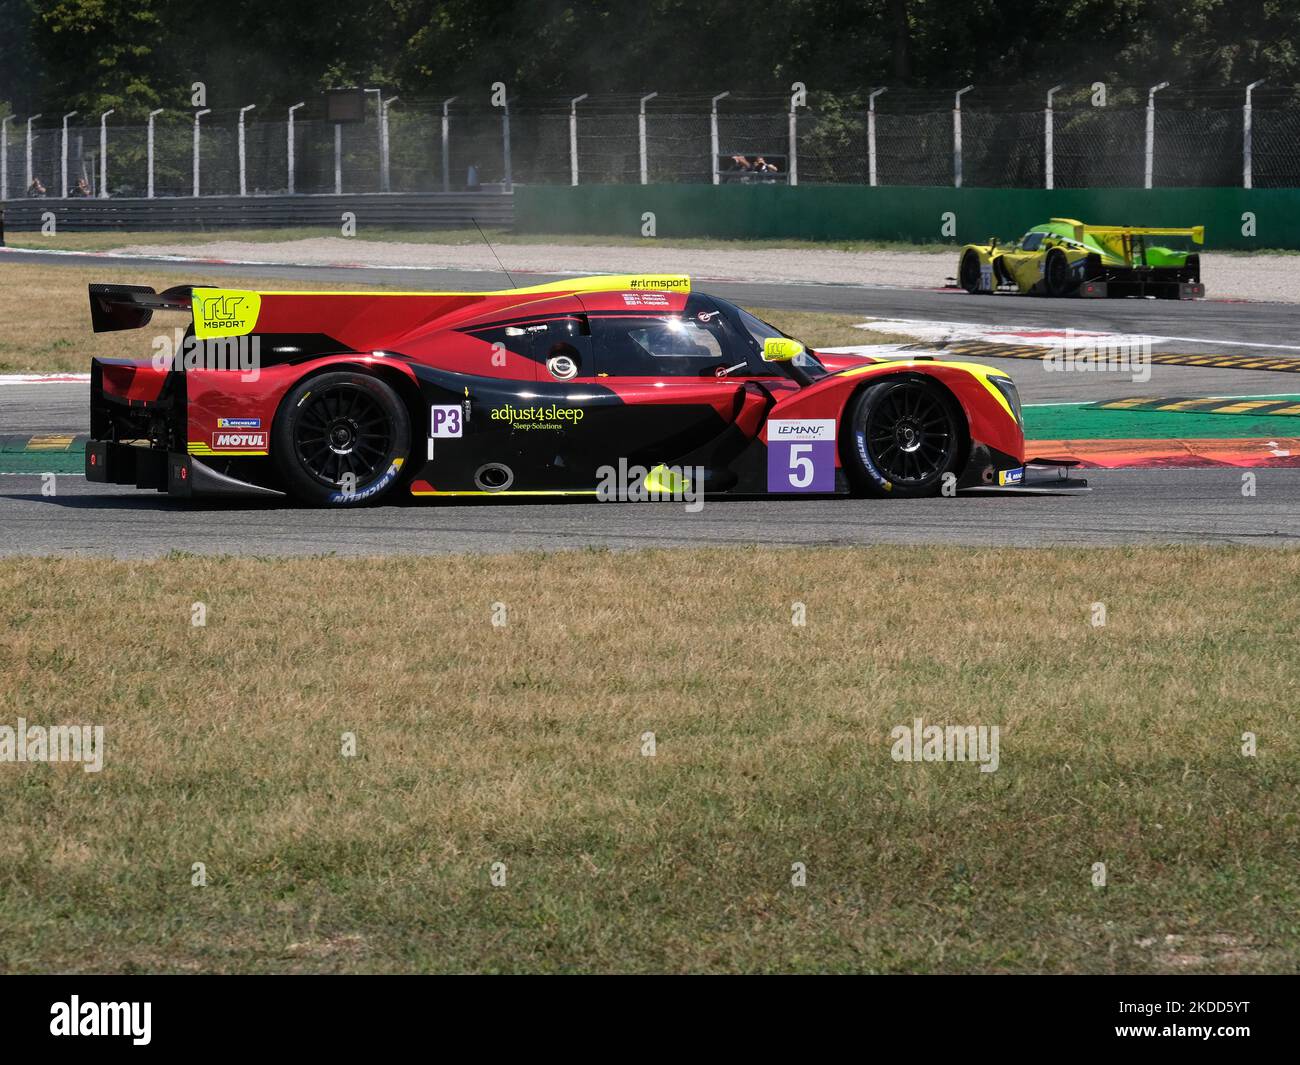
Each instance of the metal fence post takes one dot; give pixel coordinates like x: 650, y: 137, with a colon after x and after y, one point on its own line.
x: 385, y: 170
x: 446, y: 137
x: 149, y: 151
x: 4, y: 156
x: 956, y: 136
x: 508, y: 180
x: 1049, y: 165
x: 645, y: 161
x: 289, y: 144
x: 338, y: 159
x: 793, y: 162
x: 713, y: 131
x: 1246, y: 176
x: 379, y: 125
x: 197, y: 116
x: 30, y: 120
x: 243, y: 184
x: 63, y: 166
x: 1151, y: 131
x: 103, y: 153
x: 871, y: 134
x: 573, y: 137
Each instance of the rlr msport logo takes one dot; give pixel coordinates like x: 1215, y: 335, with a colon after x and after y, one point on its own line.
x: 219, y: 313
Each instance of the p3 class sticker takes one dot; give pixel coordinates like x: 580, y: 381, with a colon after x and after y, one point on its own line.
x: 446, y: 421
x: 801, y: 455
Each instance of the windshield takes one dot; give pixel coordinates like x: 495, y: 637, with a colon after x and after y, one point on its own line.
x: 759, y: 330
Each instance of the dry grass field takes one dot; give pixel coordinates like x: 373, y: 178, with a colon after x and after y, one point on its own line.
x: 524, y: 743
x: 45, y: 316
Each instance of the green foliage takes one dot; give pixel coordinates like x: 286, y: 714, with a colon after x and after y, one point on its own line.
x: 136, y: 54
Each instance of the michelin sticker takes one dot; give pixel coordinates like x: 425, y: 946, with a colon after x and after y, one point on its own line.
x: 801, y: 455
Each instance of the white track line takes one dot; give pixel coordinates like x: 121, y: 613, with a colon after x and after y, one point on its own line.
x: 44, y: 378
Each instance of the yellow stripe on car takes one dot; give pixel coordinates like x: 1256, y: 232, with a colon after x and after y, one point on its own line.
x: 979, y: 371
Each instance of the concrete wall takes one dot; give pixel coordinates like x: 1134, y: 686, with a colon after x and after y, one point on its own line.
x: 916, y: 215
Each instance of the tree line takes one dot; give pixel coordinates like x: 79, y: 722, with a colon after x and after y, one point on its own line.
x: 136, y: 55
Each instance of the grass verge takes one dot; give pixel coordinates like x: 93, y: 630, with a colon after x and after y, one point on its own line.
x: 45, y: 313
x: 522, y: 744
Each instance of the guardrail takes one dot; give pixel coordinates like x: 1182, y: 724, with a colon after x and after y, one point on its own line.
x: 438, y: 210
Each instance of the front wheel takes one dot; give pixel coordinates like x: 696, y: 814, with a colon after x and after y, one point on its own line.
x: 906, y: 434
x: 968, y: 274
x: 341, y: 438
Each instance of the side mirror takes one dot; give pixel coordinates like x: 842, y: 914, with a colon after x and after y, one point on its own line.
x: 781, y: 349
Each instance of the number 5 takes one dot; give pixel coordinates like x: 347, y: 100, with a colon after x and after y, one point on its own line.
x: 801, y: 466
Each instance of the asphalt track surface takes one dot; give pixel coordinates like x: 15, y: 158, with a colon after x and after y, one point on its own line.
x: 1125, y: 506
x: 1128, y: 506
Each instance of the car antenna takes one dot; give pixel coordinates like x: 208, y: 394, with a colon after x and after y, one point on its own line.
x: 493, y: 251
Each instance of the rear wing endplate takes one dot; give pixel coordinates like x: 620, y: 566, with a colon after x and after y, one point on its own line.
x: 114, y: 307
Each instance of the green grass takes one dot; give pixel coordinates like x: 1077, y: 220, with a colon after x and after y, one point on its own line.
x: 522, y: 744
x: 1071, y: 421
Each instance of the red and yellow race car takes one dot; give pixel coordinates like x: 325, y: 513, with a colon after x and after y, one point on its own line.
x: 562, y: 389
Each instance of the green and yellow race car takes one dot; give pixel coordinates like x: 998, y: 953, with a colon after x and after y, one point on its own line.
x: 1065, y: 257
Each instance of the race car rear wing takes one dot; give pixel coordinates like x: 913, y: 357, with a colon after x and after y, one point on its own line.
x: 1196, y: 233
x: 114, y: 307
x: 225, y: 312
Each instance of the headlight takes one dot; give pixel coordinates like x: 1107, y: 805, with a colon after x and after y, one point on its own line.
x: 1008, y: 389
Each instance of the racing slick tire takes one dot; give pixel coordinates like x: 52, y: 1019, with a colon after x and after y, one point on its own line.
x: 968, y: 274
x: 341, y: 439
x: 905, y: 434
x: 1058, y: 278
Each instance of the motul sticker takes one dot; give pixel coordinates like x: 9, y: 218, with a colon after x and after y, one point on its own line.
x: 239, y: 441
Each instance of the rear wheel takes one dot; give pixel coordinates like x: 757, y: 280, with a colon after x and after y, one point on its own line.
x: 341, y: 438
x: 906, y: 434
x: 1058, y: 278
x: 969, y: 272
